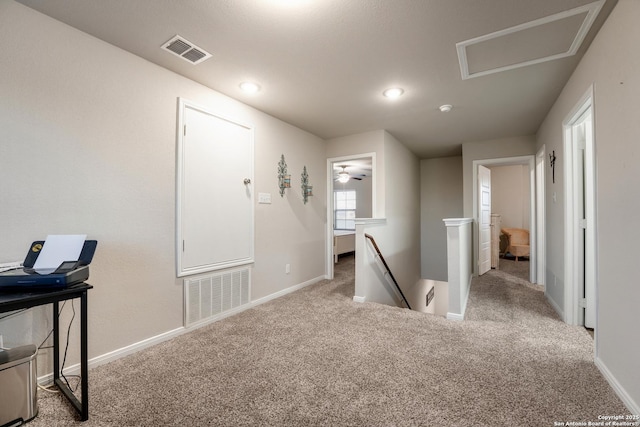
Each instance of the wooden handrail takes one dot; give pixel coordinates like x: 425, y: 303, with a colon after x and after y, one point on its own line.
x: 375, y: 246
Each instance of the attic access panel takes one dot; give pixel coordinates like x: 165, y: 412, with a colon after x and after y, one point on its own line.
x: 552, y: 37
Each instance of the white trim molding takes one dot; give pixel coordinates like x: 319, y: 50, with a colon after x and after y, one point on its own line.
x: 632, y: 406
x: 572, y: 312
x: 533, y: 227
x: 165, y: 336
x: 460, y: 273
x: 592, y: 10
x: 374, y: 204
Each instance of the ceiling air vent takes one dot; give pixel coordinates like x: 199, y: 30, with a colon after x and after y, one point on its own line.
x: 186, y: 50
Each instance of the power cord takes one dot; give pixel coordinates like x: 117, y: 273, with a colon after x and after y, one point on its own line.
x: 42, y: 346
x: 66, y: 348
x: 48, y: 389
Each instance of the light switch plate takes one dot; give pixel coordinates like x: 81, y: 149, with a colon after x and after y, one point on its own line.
x: 264, y: 198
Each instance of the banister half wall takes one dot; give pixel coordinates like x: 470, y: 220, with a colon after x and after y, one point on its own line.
x: 460, y: 268
x: 371, y: 284
x: 387, y: 271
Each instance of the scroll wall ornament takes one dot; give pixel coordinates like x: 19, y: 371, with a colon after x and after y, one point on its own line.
x: 284, y: 180
x: 552, y: 162
x: 307, y: 190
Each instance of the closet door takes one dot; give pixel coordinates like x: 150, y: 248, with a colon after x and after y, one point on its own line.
x: 215, y: 197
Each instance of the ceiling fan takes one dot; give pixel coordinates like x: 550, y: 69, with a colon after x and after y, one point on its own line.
x: 344, y: 176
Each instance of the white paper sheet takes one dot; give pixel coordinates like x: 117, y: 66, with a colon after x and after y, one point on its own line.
x: 58, y: 248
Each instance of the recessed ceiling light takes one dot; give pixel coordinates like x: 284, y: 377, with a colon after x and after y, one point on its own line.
x: 393, y: 92
x: 249, y: 87
x: 446, y: 108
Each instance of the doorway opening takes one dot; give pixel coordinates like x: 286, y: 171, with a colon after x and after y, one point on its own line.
x: 580, y: 215
x: 350, y: 195
x: 534, y: 230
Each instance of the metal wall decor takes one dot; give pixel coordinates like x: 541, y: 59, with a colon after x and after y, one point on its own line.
x: 307, y: 190
x: 284, y: 180
x: 552, y: 161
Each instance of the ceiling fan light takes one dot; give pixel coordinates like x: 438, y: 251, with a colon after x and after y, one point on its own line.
x: 343, y: 177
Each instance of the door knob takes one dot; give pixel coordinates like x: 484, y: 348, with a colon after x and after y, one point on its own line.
x: 247, y: 181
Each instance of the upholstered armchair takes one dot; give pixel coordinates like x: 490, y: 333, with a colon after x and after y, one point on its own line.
x: 517, y: 241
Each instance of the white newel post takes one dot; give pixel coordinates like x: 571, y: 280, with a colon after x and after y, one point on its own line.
x: 458, y: 265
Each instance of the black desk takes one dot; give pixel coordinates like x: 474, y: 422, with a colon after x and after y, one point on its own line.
x: 18, y: 301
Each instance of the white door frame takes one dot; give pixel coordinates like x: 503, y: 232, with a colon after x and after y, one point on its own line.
x: 541, y: 238
x: 329, y: 237
x: 484, y: 220
x: 520, y: 160
x: 573, y: 314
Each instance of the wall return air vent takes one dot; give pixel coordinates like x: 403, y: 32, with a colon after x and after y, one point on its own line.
x: 186, y: 50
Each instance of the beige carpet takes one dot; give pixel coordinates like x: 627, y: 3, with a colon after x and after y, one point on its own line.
x: 314, y: 357
x: 519, y: 268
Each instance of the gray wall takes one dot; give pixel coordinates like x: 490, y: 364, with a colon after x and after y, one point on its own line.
x: 440, y: 197
x: 612, y: 66
x: 402, y: 211
x: 88, y: 146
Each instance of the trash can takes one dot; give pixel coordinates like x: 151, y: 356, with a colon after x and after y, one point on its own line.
x: 18, y: 385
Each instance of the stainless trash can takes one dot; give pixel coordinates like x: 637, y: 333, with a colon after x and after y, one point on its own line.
x: 18, y: 385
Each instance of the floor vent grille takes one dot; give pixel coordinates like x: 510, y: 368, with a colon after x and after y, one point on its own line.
x: 207, y: 297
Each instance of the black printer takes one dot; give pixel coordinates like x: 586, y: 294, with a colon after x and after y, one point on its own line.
x: 25, y: 278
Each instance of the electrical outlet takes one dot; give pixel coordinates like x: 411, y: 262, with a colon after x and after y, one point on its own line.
x: 287, y: 268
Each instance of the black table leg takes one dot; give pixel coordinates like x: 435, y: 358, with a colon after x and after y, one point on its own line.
x: 18, y: 301
x: 84, y: 356
x: 81, y: 406
x: 56, y: 342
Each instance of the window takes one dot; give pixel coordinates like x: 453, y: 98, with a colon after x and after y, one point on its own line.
x: 344, y: 209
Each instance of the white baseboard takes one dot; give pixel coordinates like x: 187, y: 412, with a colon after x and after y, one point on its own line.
x: 455, y: 316
x: 149, y: 342
x: 117, y: 354
x: 466, y: 299
x: 286, y: 291
x: 631, y: 405
x: 460, y: 316
x: 356, y: 298
x: 555, y: 307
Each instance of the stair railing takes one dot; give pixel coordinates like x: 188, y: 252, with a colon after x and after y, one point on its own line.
x: 386, y: 266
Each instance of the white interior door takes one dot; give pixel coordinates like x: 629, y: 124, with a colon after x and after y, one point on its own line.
x: 215, y: 225
x: 584, y: 224
x: 484, y: 219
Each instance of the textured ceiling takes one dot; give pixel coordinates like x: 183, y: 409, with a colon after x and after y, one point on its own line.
x: 323, y: 64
